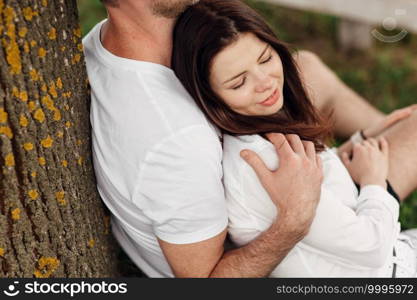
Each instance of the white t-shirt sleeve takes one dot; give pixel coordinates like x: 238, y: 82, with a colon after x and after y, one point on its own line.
x: 363, y: 236
x: 181, y: 182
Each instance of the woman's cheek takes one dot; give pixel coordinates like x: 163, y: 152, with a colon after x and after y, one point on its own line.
x: 244, y: 99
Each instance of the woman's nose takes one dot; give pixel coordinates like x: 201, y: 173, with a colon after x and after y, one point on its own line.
x: 264, y: 83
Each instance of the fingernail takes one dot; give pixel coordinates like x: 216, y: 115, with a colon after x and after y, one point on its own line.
x: 244, y: 154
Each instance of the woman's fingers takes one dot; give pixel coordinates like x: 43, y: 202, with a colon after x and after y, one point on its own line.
x: 373, y: 142
x: 366, y: 143
x: 397, y: 115
x: 383, y: 145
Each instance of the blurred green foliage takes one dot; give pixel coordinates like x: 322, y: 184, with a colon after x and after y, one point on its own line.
x: 386, y: 74
x: 90, y: 12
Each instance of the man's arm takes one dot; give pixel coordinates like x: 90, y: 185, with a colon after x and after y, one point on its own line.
x: 257, y: 259
x: 295, y: 190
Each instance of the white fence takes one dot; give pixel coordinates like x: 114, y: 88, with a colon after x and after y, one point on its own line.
x: 362, y: 17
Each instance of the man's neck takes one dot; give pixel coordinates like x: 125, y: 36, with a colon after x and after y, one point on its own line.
x: 144, y: 38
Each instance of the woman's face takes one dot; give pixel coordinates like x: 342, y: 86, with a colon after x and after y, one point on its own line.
x: 248, y: 76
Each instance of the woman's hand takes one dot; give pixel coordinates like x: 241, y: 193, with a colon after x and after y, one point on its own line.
x: 369, y: 163
x: 380, y: 127
x: 389, y: 120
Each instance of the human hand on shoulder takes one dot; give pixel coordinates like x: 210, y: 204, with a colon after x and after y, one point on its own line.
x: 369, y: 163
x: 295, y: 186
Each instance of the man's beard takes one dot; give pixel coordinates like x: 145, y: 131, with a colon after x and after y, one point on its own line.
x: 170, y: 8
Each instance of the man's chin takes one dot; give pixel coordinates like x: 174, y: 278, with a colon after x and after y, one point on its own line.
x: 171, y: 9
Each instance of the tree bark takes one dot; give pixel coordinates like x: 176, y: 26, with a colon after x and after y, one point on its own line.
x: 52, y: 221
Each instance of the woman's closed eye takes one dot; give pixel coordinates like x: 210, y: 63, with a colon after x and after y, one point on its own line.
x: 240, y: 85
x: 244, y: 79
x: 266, y: 60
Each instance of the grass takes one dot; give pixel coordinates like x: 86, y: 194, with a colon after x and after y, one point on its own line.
x: 386, y: 74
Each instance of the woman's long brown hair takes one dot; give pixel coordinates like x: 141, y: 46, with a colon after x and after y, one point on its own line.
x: 209, y: 26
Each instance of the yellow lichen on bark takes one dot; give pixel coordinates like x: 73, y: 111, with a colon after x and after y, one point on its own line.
x: 59, y: 83
x: 23, y: 95
x: 60, y: 134
x: 91, y: 243
x: 31, y: 106
x: 26, y: 47
x: 28, y: 13
x: 44, y: 3
x: 68, y: 124
x: 42, y: 161
x: 47, y: 142
x: 52, y: 90
x: 39, y: 115
x: 41, y: 52
x: 64, y: 163
x: 33, y: 174
x: 48, y: 102
x: 52, y: 34
x: 9, y: 160
x: 15, y: 92
x: 57, y: 115
x: 76, y: 58
x: 34, y: 75
x: 28, y: 146
x: 2, y: 252
x: 7, y: 131
x: 3, y: 115
x: 10, y: 45
x: 23, y: 31
x: 23, y: 121
x: 77, y: 32
x: 60, y: 197
x: 16, y: 214
x: 46, y: 267
x: 33, y: 194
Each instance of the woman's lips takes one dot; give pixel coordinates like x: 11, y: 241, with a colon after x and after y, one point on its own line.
x: 271, y: 100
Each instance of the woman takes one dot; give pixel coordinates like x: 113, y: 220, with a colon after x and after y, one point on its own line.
x: 246, y: 82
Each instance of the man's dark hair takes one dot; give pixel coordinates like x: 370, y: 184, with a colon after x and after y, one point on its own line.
x: 110, y: 2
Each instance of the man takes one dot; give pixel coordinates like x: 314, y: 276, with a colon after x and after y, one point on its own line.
x: 158, y: 160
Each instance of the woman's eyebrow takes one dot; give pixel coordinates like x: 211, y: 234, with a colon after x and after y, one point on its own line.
x: 259, y: 58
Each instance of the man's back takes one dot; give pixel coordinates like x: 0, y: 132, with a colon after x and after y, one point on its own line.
x: 152, y: 151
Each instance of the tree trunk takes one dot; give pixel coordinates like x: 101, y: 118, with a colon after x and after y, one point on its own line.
x: 52, y: 221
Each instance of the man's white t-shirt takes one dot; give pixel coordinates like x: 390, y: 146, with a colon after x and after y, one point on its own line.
x: 157, y: 159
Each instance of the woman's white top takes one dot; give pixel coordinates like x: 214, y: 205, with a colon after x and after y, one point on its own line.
x: 353, y: 234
